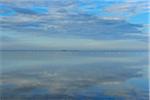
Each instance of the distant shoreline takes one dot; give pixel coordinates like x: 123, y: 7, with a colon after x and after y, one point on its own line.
x: 74, y: 50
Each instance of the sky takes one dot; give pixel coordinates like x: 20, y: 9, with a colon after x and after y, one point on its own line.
x: 74, y: 24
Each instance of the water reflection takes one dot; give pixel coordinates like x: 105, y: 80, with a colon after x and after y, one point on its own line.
x: 74, y: 75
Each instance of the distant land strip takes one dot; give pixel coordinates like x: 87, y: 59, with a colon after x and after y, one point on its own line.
x: 75, y: 50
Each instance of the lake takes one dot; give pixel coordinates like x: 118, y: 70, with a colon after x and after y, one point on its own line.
x: 74, y: 75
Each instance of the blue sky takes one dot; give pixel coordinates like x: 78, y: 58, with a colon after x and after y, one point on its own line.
x: 74, y: 24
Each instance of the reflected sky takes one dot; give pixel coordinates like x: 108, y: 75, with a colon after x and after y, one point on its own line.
x: 74, y: 75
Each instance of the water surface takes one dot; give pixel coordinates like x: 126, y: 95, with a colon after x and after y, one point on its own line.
x: 74, y: 75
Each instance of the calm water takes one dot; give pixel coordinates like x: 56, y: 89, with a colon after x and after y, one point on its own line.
x: 51, y: 75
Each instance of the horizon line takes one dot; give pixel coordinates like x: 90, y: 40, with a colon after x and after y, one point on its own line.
x: 80, y: 50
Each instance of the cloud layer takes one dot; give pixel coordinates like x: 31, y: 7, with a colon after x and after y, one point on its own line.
x: 53, y: 21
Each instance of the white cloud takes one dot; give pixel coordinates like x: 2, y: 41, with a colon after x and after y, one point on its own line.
x: 48, y: 43
x: 65, y: 28
x: 128, y: 8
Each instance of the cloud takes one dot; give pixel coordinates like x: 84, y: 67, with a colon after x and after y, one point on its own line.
x: 65, y: 19
x: 80, y: 25
x: 27, y: 42
x: 128, y: 8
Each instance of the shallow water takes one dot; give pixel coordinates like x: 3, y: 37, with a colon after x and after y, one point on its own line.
x: 74, y: 75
